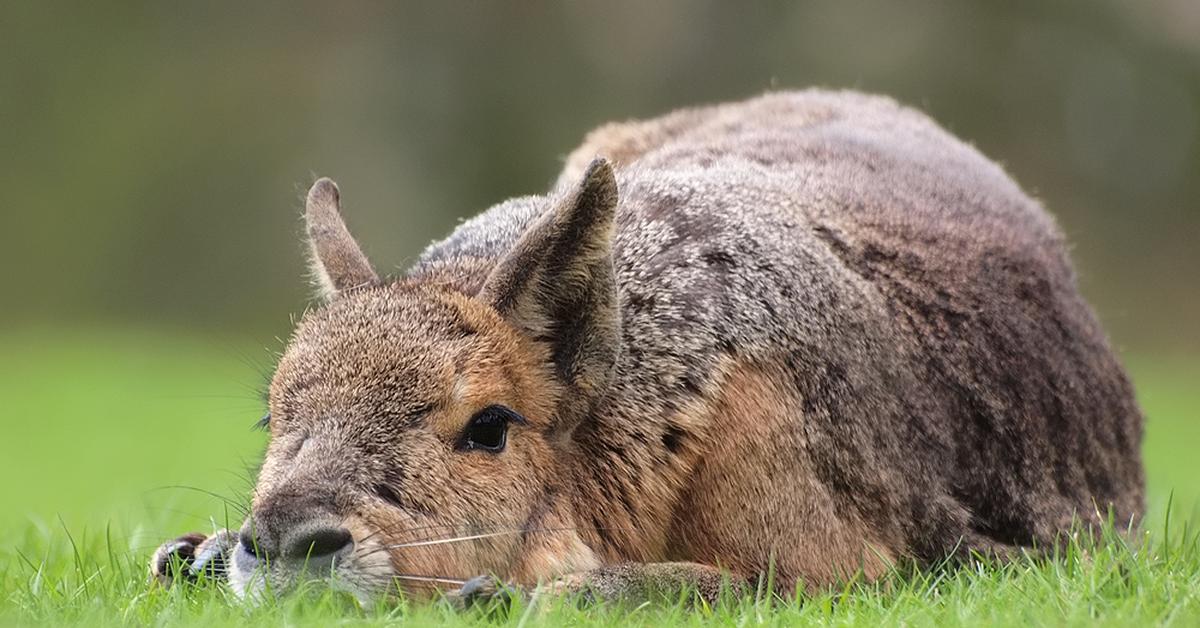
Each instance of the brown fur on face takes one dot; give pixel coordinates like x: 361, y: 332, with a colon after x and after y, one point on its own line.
x: 366, y: 408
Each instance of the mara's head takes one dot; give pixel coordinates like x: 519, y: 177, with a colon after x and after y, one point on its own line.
x: 420, y: 432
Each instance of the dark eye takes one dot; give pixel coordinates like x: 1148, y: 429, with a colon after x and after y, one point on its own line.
x: 488, y: 429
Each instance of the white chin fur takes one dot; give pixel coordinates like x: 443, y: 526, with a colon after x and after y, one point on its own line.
x: 248, y: 582
x: 363, y: 574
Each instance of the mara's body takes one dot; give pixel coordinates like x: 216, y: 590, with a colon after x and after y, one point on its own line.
x: 811, y: 332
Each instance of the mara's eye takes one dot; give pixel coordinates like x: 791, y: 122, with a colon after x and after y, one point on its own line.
x: 488, y: 429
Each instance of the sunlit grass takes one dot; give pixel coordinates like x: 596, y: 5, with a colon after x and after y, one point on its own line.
x: 1155, y: 578
x: 102, y: 430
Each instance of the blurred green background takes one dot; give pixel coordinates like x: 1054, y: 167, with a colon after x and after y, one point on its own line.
x: 152, y: 159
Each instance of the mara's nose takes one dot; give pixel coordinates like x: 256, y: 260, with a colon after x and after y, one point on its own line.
x: 318, y: 543
x: 308, y: 543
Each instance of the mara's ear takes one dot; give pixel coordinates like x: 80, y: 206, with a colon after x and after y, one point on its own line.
x: 336, y: 260
x: 557, y: 285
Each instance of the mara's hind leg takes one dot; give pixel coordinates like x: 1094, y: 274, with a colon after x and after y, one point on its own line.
x: 753, y: 507
x: 755, y: 504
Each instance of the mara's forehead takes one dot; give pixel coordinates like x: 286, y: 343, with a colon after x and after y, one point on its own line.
x: 390, y: 313
x: 388, y: 351
x: 385, y: 334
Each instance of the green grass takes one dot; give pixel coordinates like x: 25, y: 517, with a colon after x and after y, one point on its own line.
x: 99, y: 427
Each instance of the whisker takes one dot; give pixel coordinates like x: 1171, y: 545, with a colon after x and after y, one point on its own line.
x: 370, y: 536
x: 474, y: 537
x: 458, y: 539
x: 429, y: 579
x: 426, y: 528
x: 416, y: 538
x: 493, y: 534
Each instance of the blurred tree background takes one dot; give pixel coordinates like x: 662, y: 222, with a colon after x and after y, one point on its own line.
x: 153, y: 155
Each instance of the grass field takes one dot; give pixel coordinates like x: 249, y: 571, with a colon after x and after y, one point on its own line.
x: 112, y: 442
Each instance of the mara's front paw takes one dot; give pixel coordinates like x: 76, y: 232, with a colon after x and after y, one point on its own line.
x: 484, y: 592
x: 191, y: 555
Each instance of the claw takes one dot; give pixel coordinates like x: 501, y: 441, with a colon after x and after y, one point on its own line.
x: 191, y: 555
x: 212, y: 556
x: 174, y: 557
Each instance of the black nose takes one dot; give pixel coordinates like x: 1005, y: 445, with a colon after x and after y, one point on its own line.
x: 306, y: 544
x: 318, y: 543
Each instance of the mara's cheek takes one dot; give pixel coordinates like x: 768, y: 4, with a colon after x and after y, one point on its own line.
x: 385, y: 520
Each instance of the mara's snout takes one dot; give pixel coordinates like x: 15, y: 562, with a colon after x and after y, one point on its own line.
x: 810, y: 333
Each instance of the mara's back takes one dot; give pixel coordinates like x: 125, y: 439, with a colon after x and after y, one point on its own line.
x: 842, y: 328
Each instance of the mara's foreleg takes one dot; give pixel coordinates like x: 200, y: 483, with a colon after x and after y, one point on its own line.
x: 652, y: 581
x: 626, y: 582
